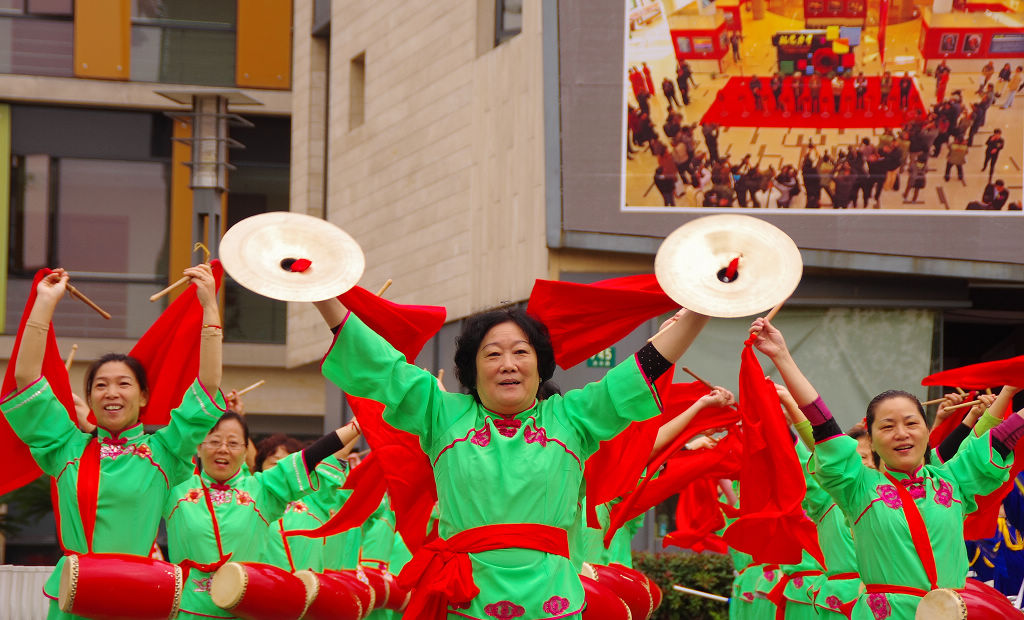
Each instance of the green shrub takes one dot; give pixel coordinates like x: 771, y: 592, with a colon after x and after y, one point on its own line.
x: 708, y: 572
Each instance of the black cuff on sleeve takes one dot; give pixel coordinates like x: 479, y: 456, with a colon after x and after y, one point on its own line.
x: 1001, y: 447
x: 950, y: 445
x: 652, y: 362
x: 321, y: 449
x: 336, y: 329
x: 829, y: 428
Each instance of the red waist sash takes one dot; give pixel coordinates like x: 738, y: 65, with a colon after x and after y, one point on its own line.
x: 884, y: 588
x: 776, y: 595
x: 441, y: 574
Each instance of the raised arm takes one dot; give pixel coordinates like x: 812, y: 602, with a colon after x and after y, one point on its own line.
x: 685, y: 326
x: 29, y: 365
x: 769, y: 341
x: 993, y: 416
x: 332, y: 311
x: 211, y: 342
x: 718, y: 397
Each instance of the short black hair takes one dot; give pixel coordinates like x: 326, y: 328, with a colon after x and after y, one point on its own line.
x: 476, y: 327
x: 132, y: 363
x: 869, y: 419
x: 268, y: 446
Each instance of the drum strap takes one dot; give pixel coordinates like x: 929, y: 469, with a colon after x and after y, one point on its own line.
x: 187, y: 565
x: 88, y: 489
x: 918, y: 531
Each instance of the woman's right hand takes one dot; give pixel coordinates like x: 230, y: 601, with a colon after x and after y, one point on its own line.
x: 768, y: 340
x: 206, y: 287
x: 51, y: 288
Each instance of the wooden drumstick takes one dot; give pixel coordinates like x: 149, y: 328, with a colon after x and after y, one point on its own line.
x: 76, y: 293
x: 771, y: 314
x: 206, y: 259
x: 694, y: 375
x: 71, y: 357
x: 967, y: 404
x: 384, y: 288
x: 250, y: 388
x: 933, y: 401
x: 960, y: 391
x: 167, y: 290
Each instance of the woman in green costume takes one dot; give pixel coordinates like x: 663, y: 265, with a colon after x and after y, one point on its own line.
x: 242, y: 506
x: 508, y: 467
x: 908, y: 515
x: 136, y: 470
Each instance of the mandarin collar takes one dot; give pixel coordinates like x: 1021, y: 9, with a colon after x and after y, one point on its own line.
x: 132, y: 432
x: 230, y: 481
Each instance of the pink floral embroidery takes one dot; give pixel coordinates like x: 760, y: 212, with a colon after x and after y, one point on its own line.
x: 202, y: 585
x: 833, y: 602
x: 555, y: 605
x: 944, y: 496
x: 507, y: 428
x: 889, y: 495
x: 879, y: 606
x: 482, y: 437
x: 769, y: 575
x: 143, y: 450
x: 193, y: 495
x: 536, y: 436
x: 244, y: 498
x: 296, y: 506
x: 504, y: 610
x: 220, y: 497
x: 749, y: 596
x: 798, y: 581
x: 112, y: 451
x: 915, y: 486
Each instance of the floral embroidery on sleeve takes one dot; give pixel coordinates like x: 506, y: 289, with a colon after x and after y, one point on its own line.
x: 556, y: 605
x: 504, y: 610
x: 944, y: 496
x: 889, y: 495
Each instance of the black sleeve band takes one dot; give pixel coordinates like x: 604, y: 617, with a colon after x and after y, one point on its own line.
x: 652, y: 362
x: 321, y: 449
x: 336, y: 329
x: 949, y: 446
x: 828, y: 428
x: 1001, y: 447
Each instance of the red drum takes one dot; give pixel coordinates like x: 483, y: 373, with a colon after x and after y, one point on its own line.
x: 360, y: 587
x: 258, y: 591
x: 388, y: 593
x: 652, y: 587
x: 328, y: 598
x: 631, y: 588
x: 976, y: 601
x: 147, y: 589
x: 602, y: 602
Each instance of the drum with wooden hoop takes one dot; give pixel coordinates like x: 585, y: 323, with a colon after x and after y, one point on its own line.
x: 147, y: 589
x: 329, y: 598
x: 389, y: 594
x: 358, y: 584
x: 258, y: 591
x: 652, y: 587
x: 631, y: 588
x: 602, y: 602
x: 976, y: 601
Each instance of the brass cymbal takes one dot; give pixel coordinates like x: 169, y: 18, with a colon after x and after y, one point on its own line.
x: 259, y: 253
x: 693, y: 262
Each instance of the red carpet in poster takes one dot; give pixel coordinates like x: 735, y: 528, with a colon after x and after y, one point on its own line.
x: 734, y: 107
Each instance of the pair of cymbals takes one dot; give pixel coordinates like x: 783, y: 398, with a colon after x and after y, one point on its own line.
x: 728, y: 266
x: 718, y: 265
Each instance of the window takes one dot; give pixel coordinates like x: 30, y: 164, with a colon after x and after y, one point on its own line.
x: 509, y: 20
x: 357, y: 91
x: 183, y: 42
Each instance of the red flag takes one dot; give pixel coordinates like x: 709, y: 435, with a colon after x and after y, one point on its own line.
x: 368, y: 482
x: 883, y: 20
x: 697, y: 518
x: 400, y: 465
x: 614, y: 469
x: 772, y: 526
x: 682, y: 468
x: 20, y: 468
x: 406, y: 327
x: 980, y: 376
x: 169, y: 351
x: 586, y: 318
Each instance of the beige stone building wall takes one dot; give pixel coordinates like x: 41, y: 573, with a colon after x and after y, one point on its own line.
x: 443, y: 183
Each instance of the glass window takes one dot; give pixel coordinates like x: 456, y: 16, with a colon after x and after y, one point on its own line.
x: 36, y: 46
x: 509, y: 15
x: 183, y: 42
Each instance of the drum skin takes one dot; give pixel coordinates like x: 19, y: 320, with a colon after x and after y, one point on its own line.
x: 602, y: 602
x: 631, y: 587
x: 976, y: 601
x: 257, y: 591
x: 328, y: 598
x: 147, y: 589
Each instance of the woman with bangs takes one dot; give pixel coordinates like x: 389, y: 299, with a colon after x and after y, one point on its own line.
x: 135, y: 470
x: 508, y: 465
x: 908, y: 514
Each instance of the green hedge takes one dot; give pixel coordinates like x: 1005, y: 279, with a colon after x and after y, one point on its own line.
x: 709, y: 572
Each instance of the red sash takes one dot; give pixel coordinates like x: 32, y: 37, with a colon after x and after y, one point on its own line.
x: 441, y: 574
x: 777, y: 593
x: 918, y: 532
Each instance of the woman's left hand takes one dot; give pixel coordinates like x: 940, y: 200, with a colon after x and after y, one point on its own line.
x: 701, y: 442
x: 718, y: 397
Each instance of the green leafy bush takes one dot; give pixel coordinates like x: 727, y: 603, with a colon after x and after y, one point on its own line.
x: 708, y: 572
